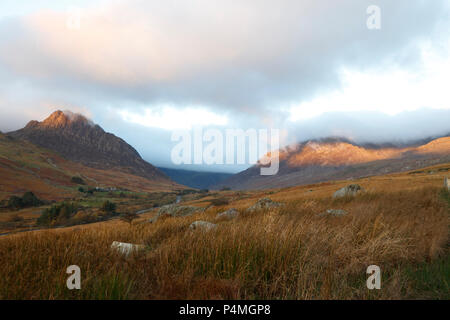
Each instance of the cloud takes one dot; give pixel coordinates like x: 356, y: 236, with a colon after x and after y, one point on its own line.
x: 255, y: 63
x: 247, y: 56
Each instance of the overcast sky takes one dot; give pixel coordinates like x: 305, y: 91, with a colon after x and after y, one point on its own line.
x: 311, y: 68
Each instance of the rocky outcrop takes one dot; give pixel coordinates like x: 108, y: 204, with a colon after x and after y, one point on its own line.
x: 333, y: 212
x: 202, y: 225
x: 126, y: 248
x: 264, y: 204
x: 348, y: 191
x: 447, y: 183
x: 228, y: 214
x: 174, y: 210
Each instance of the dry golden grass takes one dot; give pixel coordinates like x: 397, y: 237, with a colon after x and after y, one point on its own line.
x: 291, y: 253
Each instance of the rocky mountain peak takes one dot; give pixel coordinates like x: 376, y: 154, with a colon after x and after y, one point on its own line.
x: 78, y: 139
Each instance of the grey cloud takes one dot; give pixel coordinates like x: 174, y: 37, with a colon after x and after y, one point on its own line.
x: 248, y: 57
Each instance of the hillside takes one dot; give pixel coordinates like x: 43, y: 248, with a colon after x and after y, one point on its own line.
x: 26, y: 167
x: 318, y: 161
x: 196, y: 179
x: 78, y: 139
x: 292, y: 251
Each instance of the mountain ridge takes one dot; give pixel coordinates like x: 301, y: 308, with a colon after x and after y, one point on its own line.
x: 78, y: 139
x: 333, y: 159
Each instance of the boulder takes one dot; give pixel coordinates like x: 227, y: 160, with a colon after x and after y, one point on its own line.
x: 348, y: 191
x: 447, y: 183
x: 126, y: 248
x: 333, y: 212
x: 202, y: 225
x: 264, y: 203
x: 174, y: 210
x: 229, y: 214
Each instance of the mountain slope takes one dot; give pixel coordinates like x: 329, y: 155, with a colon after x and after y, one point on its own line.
x: 27, y: 167
x: 318, y: 161
x: 77, y: 139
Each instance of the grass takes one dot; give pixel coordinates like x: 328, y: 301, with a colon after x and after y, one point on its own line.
x: 288, y: 253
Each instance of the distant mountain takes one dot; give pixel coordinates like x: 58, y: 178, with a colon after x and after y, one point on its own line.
x: 78, y: 139
x: 196, y: 179
x: 337, y: 159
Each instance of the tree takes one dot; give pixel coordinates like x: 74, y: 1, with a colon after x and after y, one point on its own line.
x: 128, y: 217
x: 15, y: 202
x: 30, y: 200
x: 109, y: 207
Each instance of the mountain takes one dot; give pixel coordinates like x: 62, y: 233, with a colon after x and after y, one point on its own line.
x: 337, y: 159
x: 196, y: 179
x: 79, y: 140
x: 27, y: 167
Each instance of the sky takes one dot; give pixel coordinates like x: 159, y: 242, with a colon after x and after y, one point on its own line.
x: 311, y: 68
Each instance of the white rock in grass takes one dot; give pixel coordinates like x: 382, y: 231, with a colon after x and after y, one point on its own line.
x: 333, y: 212
x: 348, y: 191
x: 126, y: 248
x: 447, y: 183
x: 229, y: 214
x: 202, y: 225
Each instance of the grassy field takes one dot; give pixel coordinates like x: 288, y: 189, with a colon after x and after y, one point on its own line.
x: 401, y: 224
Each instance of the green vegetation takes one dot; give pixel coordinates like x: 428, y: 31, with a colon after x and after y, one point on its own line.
x: 57, y: 214
x: 27, y: 200
x: 108, y: 206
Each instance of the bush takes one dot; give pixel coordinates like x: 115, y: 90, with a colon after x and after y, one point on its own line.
x: 77, y: 180
x: 108, y: 206
x: 15, y: 202
x: 128, y: 217
x: 30, y: 200
x: 81, y: 189
x: 220, y: 202
x: 60, y: 212
x: 27, y: 200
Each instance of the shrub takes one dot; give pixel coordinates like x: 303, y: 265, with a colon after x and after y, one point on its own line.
x: 27, y: 200
x: 220, y: 202
x: 15, y: 202
x: 77, y: 180
x: 60, y: 212
x: 128, y: 217
x: 81, y: 189
x: 108, y: 206
x: 30, y: 200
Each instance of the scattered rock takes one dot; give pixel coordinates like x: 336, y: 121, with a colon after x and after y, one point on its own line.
x: 333, y: 212
x: 264, y: 203
x: 174, y: 210
x: 350, y: 190
x: 126, y: 248
x: 202, y: 225
x: 447, y: 183
x: 229, y: 214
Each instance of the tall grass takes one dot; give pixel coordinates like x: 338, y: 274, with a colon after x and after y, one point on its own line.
x: 290, y: 253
